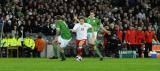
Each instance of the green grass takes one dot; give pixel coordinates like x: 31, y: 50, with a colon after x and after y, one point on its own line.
x: 88, y: 64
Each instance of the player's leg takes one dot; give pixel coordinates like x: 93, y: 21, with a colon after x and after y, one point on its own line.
x: 62, y: 45
x: 55, y: 50
x: 94, y: 45
x: 55, y: 46
x: 139, y: 47
x: 61, y: 50
x: 80, y: 44
x: 98, y: 52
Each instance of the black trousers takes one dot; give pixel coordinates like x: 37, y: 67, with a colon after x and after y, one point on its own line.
x: 113, y: 49
x: 36, y: 53
x: 148, y: 48
x: 20, y: 51
x: 11, y: 53
x: 27, y: 52
x: 139, y: 50
x: 3, y: 52
x: 131, y: 47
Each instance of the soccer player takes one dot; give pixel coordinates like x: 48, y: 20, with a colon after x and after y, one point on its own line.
x: 81, y: 35
x: 63, y: 36
x: 95, y: 22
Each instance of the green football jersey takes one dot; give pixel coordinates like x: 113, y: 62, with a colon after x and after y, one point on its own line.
x: 64, y: 30
x: 94, y: 22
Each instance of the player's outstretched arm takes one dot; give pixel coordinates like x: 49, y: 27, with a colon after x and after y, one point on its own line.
x: 101, y: 26
x: 72, y: 30
x: 76, y: 19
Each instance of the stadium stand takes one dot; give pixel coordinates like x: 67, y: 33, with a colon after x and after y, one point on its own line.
x: 123, y: 18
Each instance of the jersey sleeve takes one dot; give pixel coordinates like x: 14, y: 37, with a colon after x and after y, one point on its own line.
x: 57, y: 25
x: 75, y: 27
x: 89, y: 26
x: 99, y: 22
x: 87, y: 20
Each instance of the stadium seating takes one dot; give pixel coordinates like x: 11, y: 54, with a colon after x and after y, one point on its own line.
x: 19, y: 17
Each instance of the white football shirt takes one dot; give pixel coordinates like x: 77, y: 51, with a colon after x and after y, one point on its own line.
x: 81, y: 30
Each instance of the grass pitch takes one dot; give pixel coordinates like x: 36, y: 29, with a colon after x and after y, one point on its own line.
x: 88, y: 64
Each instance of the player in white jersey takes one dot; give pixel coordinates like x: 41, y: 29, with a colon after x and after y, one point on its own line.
x: 81, y: 35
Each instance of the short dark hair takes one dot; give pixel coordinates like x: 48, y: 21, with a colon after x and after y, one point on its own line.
x: 81, y: 17
x: 39, y: 36
x: 92, y: 11
x: 58, y: 17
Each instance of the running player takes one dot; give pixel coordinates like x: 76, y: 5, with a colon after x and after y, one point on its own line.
x: 81, y: 35
x: 95, y: 23
x: 63, y: 36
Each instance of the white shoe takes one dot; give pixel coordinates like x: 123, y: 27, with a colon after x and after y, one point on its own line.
x: 78, y: 58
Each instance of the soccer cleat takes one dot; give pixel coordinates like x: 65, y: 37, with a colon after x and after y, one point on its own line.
x: 63, y: 59
x: 53, y: 57
x: 78, y: 58
x: 101, y: 59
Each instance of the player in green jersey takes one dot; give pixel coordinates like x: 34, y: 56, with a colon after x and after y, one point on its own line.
x: 95, y: 22
x: 63, y: 36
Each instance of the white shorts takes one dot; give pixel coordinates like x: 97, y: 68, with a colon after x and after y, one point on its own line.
x: 89, y: 35
x: 90, y: 39
x: 63, y: 42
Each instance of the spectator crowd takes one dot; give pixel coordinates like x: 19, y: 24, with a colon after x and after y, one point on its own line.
x: 131, y: 22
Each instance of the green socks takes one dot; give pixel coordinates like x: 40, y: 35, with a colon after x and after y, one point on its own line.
x: 62, y: 55
x: 55, y: 49
x: 98, y: 52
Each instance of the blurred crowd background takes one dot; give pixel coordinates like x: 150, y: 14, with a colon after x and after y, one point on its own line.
x: 21, y: 17
x: 42, y: 13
